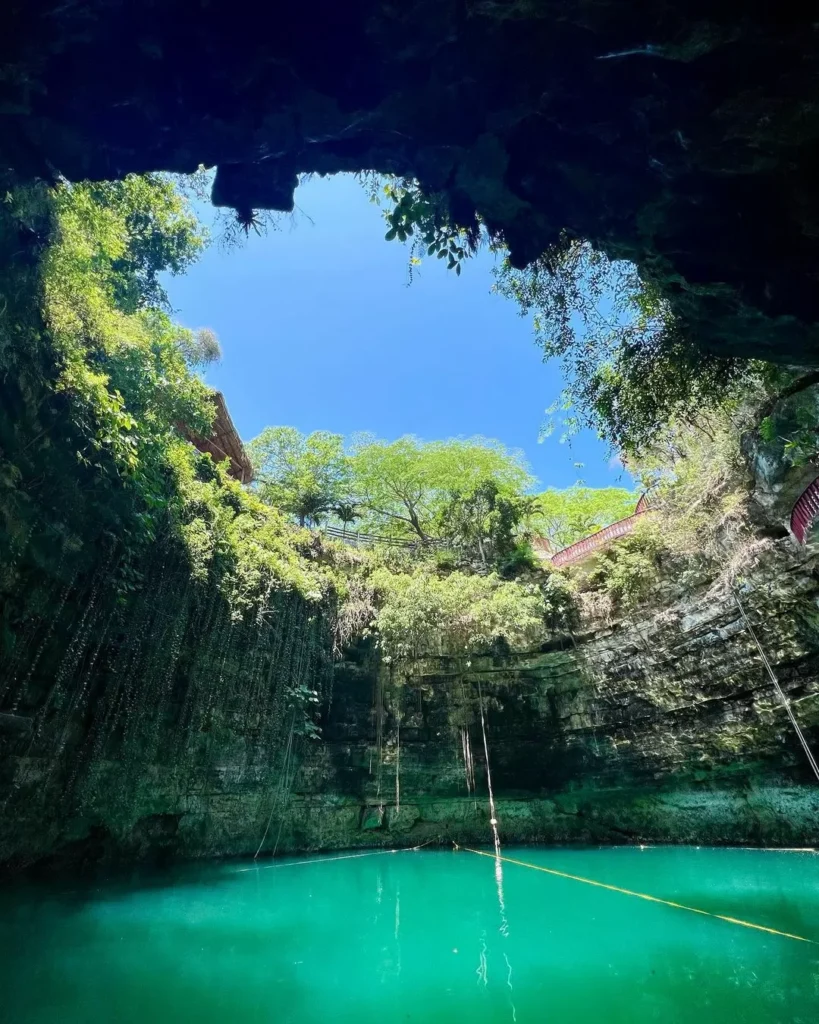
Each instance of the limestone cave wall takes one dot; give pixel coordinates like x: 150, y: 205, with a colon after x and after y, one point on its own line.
x: 660, y: 726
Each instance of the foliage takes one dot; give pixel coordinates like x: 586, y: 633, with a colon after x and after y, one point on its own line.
x: 306, y: 476
x: 406, y: 486
x: 237, y: 542
x: 628, y: 368
x: 699, y: 476
x: 699, y: 470
x: 628, y: 570
x: 558, y: 590
x: 788, y: 431
x: 488, y: 523
x: 200, y: 347
x: 518, y: 559
x: 566, y: 516
x: 426, y: 220
x: 132, y: 230
x: 122, y: 363
x: 356, y: 612
x: 423, y: 613
x: 100, y: 404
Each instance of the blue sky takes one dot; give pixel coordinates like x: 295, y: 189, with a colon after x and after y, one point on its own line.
x: 320, y: 331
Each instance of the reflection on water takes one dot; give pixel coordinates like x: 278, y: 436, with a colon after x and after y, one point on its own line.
x: 420, y: 936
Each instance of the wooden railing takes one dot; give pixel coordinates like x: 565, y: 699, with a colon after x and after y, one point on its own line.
x: 805, y: 512
x: 582, y: 548
x: 357, y: 539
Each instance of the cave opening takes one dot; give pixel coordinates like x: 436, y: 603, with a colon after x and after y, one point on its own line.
x: 285, y: 569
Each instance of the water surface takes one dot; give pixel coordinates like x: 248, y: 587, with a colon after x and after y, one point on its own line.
x: 422, y: 936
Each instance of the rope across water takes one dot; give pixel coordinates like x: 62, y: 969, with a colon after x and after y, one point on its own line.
x: 639, y: 895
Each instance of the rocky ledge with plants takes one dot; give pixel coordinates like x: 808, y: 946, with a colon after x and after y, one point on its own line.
x: 187, y: 661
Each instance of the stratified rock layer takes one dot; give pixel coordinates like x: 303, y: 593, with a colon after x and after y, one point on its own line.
x: 661, y: 727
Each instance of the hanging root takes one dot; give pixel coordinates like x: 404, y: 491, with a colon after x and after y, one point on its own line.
x: 282, y: 788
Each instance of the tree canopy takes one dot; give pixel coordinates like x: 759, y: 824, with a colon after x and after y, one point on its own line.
x: 566, y: 516
x: 489, y: 523
x: 470, y: 494
x: 123, y: 364
x: 404, y: 486
x: 305, y: 475
x: 146, y: 227
x: 627, y: 367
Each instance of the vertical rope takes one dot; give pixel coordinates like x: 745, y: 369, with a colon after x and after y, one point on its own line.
x: 493, y: 820
x: 785, y: 702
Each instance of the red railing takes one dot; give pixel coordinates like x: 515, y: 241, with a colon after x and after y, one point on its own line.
x: 581, y: 548
x: 805, y: 511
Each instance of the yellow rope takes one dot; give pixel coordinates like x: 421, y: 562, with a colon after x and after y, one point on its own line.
x: 639, y: 895
x: 327, y: 860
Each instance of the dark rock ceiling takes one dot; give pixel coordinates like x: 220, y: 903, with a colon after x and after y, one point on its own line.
x: 683, y: 136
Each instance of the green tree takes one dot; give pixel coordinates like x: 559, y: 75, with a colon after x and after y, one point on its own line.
x: 121, y: 358
x: 629, y: 369
x: 200, y: 348
x: 487, y: 522
x: 161, y: 235
x: 404, y: 486
x: 305, y: 475
x: 565, y: 516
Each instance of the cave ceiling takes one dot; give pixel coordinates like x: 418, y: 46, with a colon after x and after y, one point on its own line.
x: 682, y: 136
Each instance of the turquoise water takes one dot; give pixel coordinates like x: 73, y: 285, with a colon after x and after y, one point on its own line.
x: 420, y: 936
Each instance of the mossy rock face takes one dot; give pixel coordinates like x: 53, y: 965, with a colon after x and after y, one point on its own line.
x: 658, y: 729
x: 684, y: 143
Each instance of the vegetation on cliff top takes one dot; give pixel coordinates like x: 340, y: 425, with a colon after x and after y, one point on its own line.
x: 106, y: 362
x: 98, y: 357
x: 98, y: 382
x: 467, y: 494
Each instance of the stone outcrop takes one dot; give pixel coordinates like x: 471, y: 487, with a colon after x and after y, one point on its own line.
x: 661, y: 726
x: 681, y: 136
x: 658, y: 727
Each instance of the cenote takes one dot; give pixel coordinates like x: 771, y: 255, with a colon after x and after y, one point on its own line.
x: 409, y: 512
x: 422, y: 936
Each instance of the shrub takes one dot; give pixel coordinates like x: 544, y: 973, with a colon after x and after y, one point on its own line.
x: 421, y: 613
